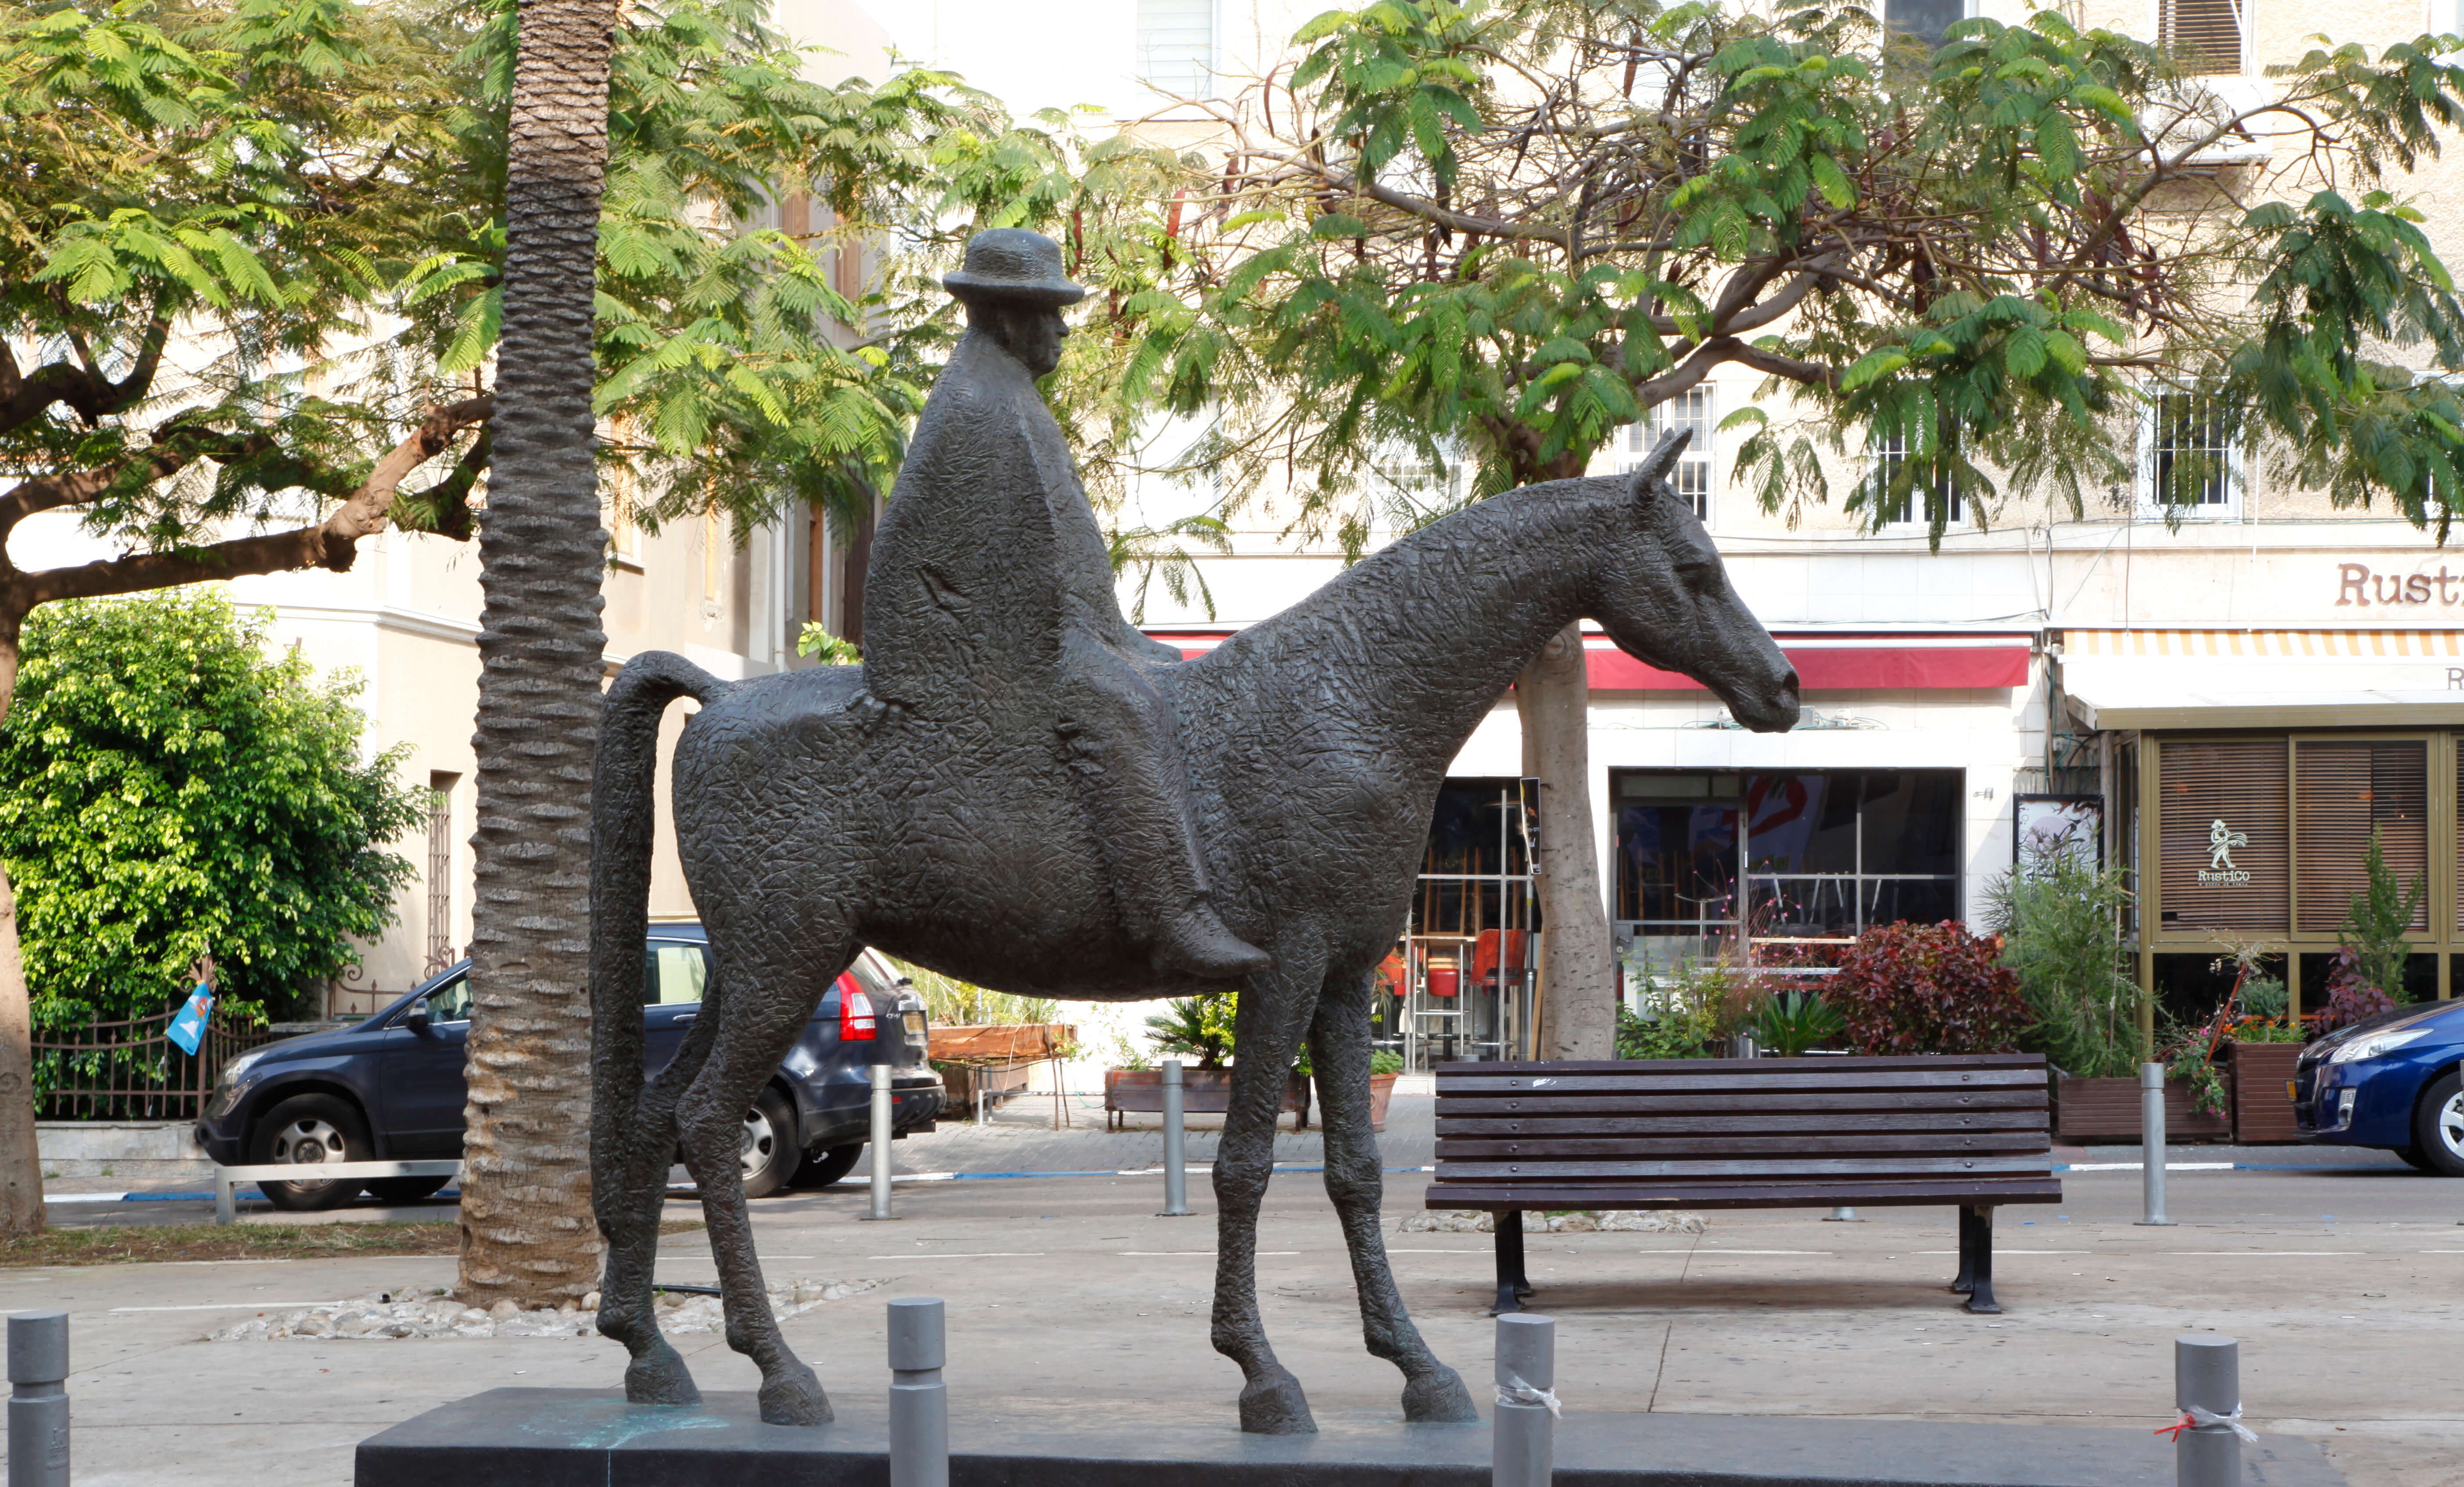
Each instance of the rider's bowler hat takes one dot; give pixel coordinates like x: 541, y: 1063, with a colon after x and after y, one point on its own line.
x: 1013, y: 263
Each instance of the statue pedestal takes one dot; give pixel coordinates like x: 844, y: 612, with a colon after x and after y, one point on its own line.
x: 556, y: 1437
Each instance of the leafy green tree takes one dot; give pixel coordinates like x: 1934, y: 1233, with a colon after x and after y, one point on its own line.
x: 168, y: 790
x: 2376, y: 920
x: 1486, y: 236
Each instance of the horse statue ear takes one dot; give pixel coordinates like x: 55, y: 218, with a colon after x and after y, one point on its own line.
x: 1656, y: 467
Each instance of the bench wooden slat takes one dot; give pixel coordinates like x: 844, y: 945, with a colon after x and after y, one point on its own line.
x: 1542, y: 1086
x: 1529, y: 1149
x: 1904, y: 1122
x: 1572, y: 1105
x: 1881, y: 1167
x: 1632, y: 1198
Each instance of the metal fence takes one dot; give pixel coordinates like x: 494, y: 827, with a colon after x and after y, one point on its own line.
x: 131, y: 1071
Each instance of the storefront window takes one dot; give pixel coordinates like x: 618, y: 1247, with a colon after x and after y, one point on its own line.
x: 2350, y: 792
x: 1828, y: 853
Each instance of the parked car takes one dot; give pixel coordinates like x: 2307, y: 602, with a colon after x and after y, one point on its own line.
x: 2391, y: 1081
x: 391, y: 1088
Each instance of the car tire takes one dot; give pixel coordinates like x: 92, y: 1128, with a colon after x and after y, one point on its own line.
x: 828, y: 1166
x: 309, y: 1129
x: 770, y: 1154
x: 2438, y: 1125
x: 405, y: 1190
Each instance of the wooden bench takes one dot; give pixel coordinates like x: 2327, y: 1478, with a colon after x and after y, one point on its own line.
x: 1720, y: 1133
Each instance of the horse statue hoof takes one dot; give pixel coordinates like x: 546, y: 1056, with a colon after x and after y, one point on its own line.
x: 795, y: 1397
x: 1439, y: 1398
x: 659, y: 1377
x: 1275, y: 1406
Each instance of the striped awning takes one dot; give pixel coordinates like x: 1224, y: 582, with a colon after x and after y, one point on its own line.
x: 2264, y: 678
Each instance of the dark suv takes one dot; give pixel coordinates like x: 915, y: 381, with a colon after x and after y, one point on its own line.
x: 391, y: 1088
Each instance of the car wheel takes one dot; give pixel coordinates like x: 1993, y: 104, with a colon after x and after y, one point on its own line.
x: 310, y: 1130
x: 770, y: 1154
x: 2438, y: 1126
x: 825, y: 1167
x: 405, y: 1190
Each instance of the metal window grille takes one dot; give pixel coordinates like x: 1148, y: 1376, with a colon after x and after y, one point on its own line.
x: 2204, y: 36
x: 1177, y: 46
x: 1921, y: 20
x: 1695, y: 411
x: 2192, y: 459
x: 440, y: 871
x: 1890, y: 454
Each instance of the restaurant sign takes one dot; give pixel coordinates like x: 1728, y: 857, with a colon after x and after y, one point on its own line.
x: 2220, y: 871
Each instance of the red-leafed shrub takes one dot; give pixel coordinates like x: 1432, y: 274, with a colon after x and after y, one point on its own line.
x: 1927, y: 988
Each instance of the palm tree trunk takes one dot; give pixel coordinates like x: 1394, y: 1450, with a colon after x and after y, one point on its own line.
x: 1577, y: 975
x: 527, y: 1230
x: 21, y: 1158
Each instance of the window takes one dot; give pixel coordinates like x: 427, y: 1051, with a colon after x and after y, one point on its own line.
x: 450, y: 1002
x: 440, y: 869
x: 2204, y: 36
x: 677, y: 972
x: 1904, y: 509
x: 1177, y: 47
x: 1921, y: 21
x: 2190, y: 462
x: 1694, y: 411
x: 1825, y: 854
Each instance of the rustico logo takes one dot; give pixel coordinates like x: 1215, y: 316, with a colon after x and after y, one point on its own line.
x: 2220, y: 871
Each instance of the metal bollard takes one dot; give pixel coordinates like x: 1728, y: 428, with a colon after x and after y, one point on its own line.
x: 1842, y: 1216
x: 2151, y: 1145
x: 919, y: 1402
x: 38, y: 1399
x: 1176, y: 1145
x: 880, y: 1137
x: 1522, y: 1446
x: 2206, y: 1374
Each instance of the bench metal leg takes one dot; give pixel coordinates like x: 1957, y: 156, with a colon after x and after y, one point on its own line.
x: 1512, y: 1284
x: 1967, y: 1279
x: 1979, y: 1222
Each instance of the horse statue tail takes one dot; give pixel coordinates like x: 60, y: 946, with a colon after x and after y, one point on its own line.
x: 622, y: 822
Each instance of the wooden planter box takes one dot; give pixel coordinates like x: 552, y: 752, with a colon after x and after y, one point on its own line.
x: 1007, y: 1042
x: 965, y: 1085
x: 1202, y: 1092
x: 2262, y: 1107
x: 2107, y: 1109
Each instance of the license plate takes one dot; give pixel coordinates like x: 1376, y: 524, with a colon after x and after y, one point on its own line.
x: 915, y: 1024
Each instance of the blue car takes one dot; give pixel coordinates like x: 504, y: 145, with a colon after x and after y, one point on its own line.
x: 2390, y: 1082
x: 391, y: 1088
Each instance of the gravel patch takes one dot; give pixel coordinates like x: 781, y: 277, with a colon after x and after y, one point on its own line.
x: 383, y: 1318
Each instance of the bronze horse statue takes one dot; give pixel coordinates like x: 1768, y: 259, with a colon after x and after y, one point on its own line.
x: 813, y: 822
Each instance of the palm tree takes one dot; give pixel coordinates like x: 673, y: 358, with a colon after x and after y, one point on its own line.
x: 527, y: 1230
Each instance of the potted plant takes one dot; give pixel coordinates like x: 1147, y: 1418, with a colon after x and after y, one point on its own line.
x: 1198, y: 1027
x: 2262, y: 1045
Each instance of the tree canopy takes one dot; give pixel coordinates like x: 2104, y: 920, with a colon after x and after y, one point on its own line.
x: 168, y: 790
x: 1499, y: 231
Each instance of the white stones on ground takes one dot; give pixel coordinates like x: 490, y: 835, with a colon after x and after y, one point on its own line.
x: 378, y: 1318
x: 1617, y: 1222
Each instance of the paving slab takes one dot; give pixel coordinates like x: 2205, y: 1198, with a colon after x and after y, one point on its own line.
x: 537, y: 1437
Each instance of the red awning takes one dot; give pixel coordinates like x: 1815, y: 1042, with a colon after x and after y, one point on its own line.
x: 1866, y: 663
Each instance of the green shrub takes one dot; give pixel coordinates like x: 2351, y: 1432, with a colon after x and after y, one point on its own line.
x: 1385, y: 1060
x: 2061, y: 925
x: 1199, y: 1026
x: 1915, y: 988
x: 166, y: 790
x: 1788, y: 1023
x: 2375, y: 922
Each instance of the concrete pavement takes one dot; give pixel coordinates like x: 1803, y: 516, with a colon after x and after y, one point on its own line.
x: 1068, y: 1294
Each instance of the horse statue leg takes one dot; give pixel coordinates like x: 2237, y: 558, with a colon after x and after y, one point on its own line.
x: 629, y: 1209
x: 770, y: 996
x: 1355, y: 1182
x: 1275, y: 1009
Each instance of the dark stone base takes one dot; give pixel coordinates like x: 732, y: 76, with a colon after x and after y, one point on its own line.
x: 559, y: 1437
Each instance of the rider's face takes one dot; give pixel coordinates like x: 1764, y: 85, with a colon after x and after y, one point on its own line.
x: 1032, y: 333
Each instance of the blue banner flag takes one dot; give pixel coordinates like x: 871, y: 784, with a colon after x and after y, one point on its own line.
x: 188, y: 1028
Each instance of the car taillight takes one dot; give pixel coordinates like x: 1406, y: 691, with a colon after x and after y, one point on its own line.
x: 856, y: 1021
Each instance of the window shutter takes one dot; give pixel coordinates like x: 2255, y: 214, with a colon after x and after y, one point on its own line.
x: 2203, y: 35
x: 2241, y: 785
x: 1177, y: 46
x: 2346, y: 789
